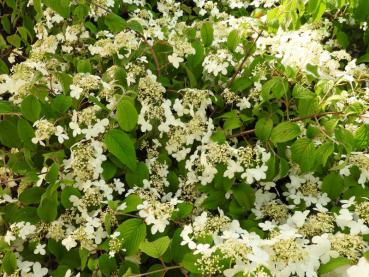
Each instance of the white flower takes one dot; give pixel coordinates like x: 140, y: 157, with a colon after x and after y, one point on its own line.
x: 255, y: 174
x: 39, y: 271
x: 26, y: 230
x: 175, y: 60
x: 299, y: 218
x: 9, y: 237
x: 75, y: 91
x: 59, y: 132
x: 232, y: 168
x: 348, y: 203
x: 40, y: 249
x: 24, y: 266
x: 360, y: 269
x: 243, y: 103
x: 122, y: 207
x: 69, y: 243
x: 118, y: 186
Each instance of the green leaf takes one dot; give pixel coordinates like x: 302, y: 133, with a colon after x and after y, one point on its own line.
x: 127, y: 115
x: 132, y: 201
x: 191, y: 76
x: 133, y: 232
x: 284, y: 132
x: 241, y: 84
x: 304, y: 154
x: 31, y: 108
x: 115, y: 23
x: 333, y: 185
x: 26, y: 133
x: 184, y: 210
x: 362, y: 137
x: 66, y: 193
x: 53, y: 174
x: 9, y: 133
x: 60, y: 6
x: 333, y: 264
x: 84, y: 66
x: 263, y: 128
x: 156, y: 248
x: 135, y: 26
x: 232, y: 123
x: 61, y: 103
x: 324, y: 152
x: 244, y: 195
x: 48, y: 207
x: 136, y: 177
x: 14, y: 40
x: 233, y: 40
x: 3, y: 67
x: 107, y: 264
x: 347, y: 139
x: 122, y: 147
x: 274, y: 88
x: 207, y: 34
x: 316, y: 8
x: 83, y: 255
x: 189, y: 262
x: 31, y: 195
x: 9, y: 263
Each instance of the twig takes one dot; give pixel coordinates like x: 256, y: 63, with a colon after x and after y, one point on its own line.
x: 20, y: 178
x: 247, y: 55
x: 157, y: 271
x: 156, y: 61
x: 11, y: 113
x: 291, y: 120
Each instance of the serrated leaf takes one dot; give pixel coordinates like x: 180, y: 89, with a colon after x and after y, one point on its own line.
x: 324, y: 152
x: 263, y: 128
x: 304, y: 154
x: 284, y: 132
x: 132, y: 232
x: 156, y: 248
x: 362, y: 136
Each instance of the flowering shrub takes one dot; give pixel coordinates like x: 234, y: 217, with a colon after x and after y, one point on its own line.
x: 186, y: 138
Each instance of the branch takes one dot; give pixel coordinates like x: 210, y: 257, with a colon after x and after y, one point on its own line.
x: 158, y: 271
x: 247, y: 55
x: 291, y: 120
x: 156, y: 61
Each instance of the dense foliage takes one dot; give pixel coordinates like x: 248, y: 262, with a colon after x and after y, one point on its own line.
x: 184, y: 138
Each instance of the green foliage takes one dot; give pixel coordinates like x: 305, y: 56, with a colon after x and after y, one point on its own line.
x: 126, y: 115
x: 132, y: 232
x: 156, y: 248
x: 122, y: 147
x: 134, y: 135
